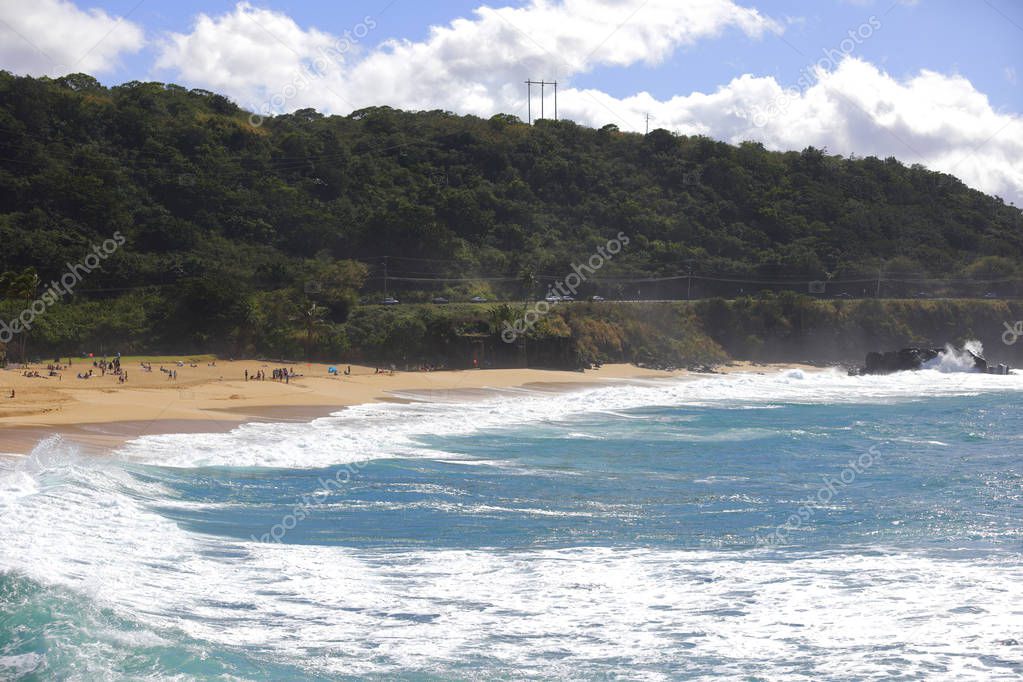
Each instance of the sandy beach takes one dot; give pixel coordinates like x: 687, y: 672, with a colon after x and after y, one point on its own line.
x: 215, y: 396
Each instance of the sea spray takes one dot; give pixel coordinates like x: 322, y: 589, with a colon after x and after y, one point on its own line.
x: 952, y: 359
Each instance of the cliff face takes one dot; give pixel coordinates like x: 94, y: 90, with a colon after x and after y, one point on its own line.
x: 797, y: 328
x: 786, y: 328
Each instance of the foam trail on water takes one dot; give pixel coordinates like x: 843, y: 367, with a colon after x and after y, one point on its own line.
x: 94, y: 526
x: 551, y: 613
x: 381, y: 430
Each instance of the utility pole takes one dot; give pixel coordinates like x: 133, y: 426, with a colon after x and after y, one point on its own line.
x: 880, y: 270
x: 689, y: 280
x: 543, y: 89
x: 385, y: 276
x: 648, y: 117
x: 529, y: 101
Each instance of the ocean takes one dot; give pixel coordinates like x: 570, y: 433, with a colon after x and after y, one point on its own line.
x: 789, y: 526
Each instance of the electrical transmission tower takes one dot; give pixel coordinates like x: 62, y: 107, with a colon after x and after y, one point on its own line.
x: 529, y: 97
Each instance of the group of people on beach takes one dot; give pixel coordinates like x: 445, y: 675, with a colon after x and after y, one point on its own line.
x: 52, y: 370
x: 282, y: 374
x: 112, y: 366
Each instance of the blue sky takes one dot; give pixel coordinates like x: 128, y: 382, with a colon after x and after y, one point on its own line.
x: 949, y: 36
x: 934, y: 82
x: 977, y: 39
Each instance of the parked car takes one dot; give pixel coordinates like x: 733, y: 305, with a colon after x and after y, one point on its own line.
x: 567, y: 298
x: 990, y: 294
x: 922, y: 294
x: 597, y: 299
x: 477, y: 299
x: 844, y: 294
x: 440, y: 300
x: 553, y: 298
x: 390, y: 300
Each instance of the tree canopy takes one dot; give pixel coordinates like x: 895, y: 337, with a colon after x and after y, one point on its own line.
x: 232, y: 227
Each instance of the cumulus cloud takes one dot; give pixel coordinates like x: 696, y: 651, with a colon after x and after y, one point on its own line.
x: 471, y: 65
x: 263, y: 59
x: 480, y: 63
x: 937, y: 120
x: 55, y: 37
x: 270, y: 64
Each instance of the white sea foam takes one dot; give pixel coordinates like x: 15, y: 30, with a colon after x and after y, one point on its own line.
x: 87, y: 524
x: 645, y: 613
x: 374, y: 431
x: 20, y: 667
x: 952, y: 359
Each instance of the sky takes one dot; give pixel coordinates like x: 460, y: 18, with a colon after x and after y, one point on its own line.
x: 933, y: 82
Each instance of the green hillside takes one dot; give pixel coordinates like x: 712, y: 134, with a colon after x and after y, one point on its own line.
x: 244, y: 238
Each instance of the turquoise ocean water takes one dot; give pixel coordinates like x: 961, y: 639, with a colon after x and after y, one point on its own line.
x: 797, y: 526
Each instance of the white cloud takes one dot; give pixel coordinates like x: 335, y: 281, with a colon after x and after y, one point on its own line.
x: 54, y: 37
x: 480, y: 64
x: 261, y: 58
x: 471, y: 65
x: 936, y: 120
x: 257, y: 55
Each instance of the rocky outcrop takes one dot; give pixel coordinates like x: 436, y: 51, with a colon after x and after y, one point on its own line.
x: 908, y: 359
x: 898, y: 360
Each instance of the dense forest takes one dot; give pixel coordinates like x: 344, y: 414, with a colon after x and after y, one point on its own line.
x: 250, y: 236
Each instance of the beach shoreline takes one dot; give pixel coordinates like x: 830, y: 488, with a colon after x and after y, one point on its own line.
x: 99, y: 414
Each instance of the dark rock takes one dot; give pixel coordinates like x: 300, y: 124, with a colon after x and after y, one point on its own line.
x: 898, y: 360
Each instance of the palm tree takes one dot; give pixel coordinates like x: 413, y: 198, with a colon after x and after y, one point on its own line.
x: 499, y: 315
x: 20, y: 287
x: 312, y: 318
